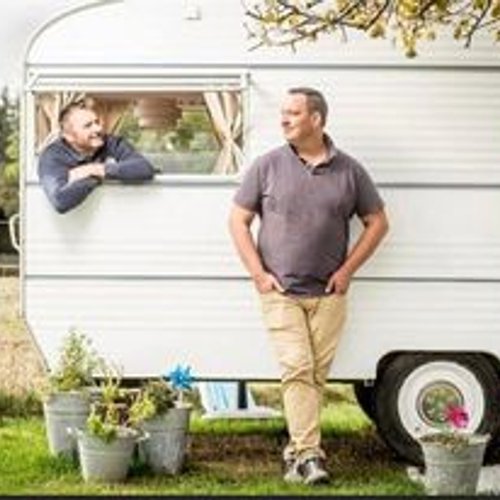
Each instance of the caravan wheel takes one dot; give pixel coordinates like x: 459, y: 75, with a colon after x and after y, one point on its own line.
x: 414, y: 390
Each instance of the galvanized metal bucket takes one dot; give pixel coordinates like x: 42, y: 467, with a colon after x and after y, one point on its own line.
x: 453, y: 470
x: 63, y: 411
x: 165, y: 450
x: 103, y: 461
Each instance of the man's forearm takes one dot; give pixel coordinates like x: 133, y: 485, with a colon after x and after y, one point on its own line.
x: 65, y: 197
x: 134, y: 168
x: 240, y: 221
x: 245, y: 245
x: 239, y: 227
x: 85, y: 171
x: 368, y: 241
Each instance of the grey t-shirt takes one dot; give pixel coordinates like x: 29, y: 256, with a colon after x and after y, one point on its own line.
x: 305, y: 212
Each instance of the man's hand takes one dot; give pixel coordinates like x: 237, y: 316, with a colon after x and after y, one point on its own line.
x: 266, y: 283
x: 88, y: 170
x: 339, y: 282
x: 240, y: 220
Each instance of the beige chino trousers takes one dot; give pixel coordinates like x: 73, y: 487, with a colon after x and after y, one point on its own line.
x: 304, y: 332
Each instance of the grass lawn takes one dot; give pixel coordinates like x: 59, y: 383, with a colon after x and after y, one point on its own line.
x: 224, y: 457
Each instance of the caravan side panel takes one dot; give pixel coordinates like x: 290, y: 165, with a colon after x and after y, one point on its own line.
x: 162, y: 285
x: 149, y: 271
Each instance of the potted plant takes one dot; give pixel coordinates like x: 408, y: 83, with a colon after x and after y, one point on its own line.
x: 161, y: 411
x: 107, y: 441
x: 66, y: 402
x: 453, y: 457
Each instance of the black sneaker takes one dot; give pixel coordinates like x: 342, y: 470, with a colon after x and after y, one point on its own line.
x: 313, y: 471
x: 292, y: 473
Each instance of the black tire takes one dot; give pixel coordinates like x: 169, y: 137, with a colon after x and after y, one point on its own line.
x: 410, y: 390
x: 365, y: 396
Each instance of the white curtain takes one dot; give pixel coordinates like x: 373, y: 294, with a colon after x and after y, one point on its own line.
x: 225, y: 111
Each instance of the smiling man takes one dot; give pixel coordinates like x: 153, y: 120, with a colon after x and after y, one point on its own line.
x: 72, y: 166
x: 305, y: 193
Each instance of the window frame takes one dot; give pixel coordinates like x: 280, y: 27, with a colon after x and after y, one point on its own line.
x: 135, y: 80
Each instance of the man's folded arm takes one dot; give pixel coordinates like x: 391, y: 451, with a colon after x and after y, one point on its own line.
x: 62, y: 194
x: 127, y: 164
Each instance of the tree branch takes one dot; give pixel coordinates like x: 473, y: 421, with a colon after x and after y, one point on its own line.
x: 475, y: 26
x: 287, y: 22
x: 377, y: 15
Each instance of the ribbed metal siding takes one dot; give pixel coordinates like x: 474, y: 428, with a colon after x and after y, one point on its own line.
x: 404, y: 125
x: 119, y: 268
x: 149, y: 326
x: 166, y: 232
x: 417, y: 316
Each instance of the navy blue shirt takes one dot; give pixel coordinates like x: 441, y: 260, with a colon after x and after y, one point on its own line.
x: 121, y: 161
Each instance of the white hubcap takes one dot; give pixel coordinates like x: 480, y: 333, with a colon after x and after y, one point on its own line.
x: 430, y: 389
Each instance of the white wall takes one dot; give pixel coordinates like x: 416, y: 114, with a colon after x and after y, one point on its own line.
x: 149, y: 271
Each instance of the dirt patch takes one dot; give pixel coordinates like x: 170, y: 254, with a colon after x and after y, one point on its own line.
x: 21, y: 366
x: 348, y: 455
x: 237, y: 448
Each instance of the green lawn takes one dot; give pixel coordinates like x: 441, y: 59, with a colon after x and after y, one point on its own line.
x: 224, y: 458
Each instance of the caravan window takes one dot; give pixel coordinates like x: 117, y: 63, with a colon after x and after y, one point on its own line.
x: 195, y: 132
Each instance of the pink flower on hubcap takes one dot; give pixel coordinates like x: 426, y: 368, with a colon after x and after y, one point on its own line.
x: 457, y: 417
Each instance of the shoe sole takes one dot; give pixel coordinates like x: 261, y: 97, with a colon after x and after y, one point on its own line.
x: 294, y: 480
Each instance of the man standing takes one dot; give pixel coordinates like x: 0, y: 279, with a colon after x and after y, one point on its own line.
x: 83, y: 156
x: 305, y: 192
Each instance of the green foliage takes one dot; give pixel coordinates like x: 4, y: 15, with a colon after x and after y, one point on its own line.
x: 5, y: 123
x: 154, y: 399
x: 453, y: 441
x: 290, y: 22
x: 24, y: 405
x: 129, y: 128
x: 142, y: 409
x: 192, y: 132
x: 77, y: 363
x: 112, y: 412
x: 161, y: 395
x: 103, y: 422
x: 9, y: 154
x: 104, y: 418
x: 189, y: 146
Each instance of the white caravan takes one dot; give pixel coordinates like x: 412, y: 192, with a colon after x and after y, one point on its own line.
x: 148, y: 271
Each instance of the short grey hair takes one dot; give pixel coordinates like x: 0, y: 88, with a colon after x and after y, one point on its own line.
x: 68, y: 109
x: 316, y: 101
